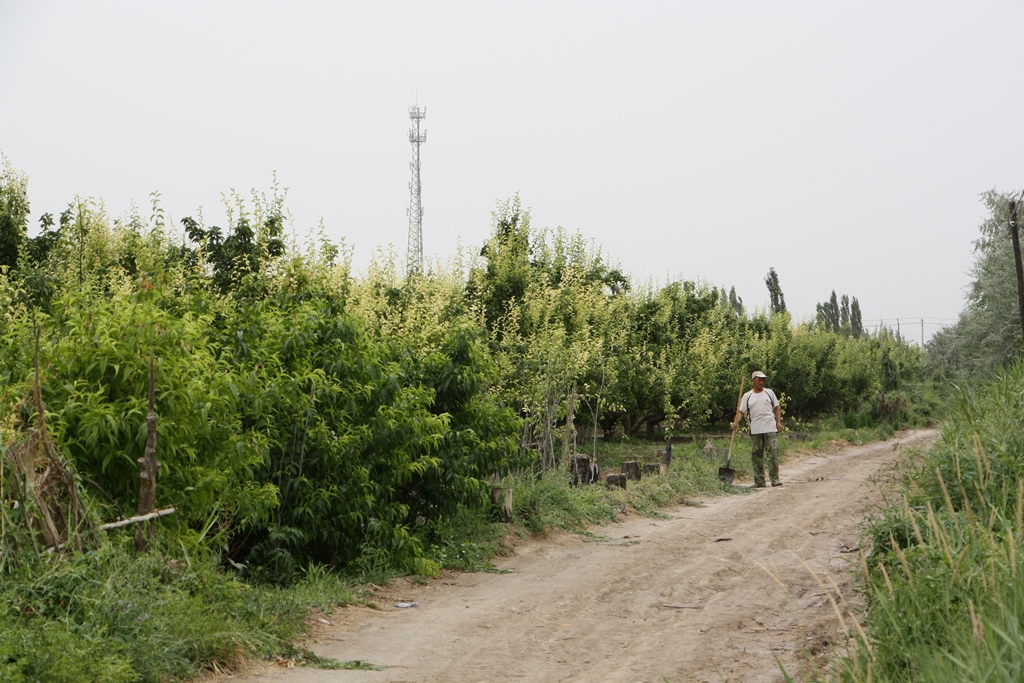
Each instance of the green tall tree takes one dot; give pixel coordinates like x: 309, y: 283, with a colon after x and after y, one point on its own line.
x: 856, y: 321
x: 988, y: 333
x: 505, y: 278
x: 736, y: 303
x: 778, y: 300
x: 829, y: 315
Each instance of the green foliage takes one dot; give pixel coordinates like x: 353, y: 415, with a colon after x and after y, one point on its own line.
x: 504, y: 280
x: 466, y: 540
x: 311, y: 419
x: 252, y: 243
x: 363, y: 436
x: 778, y: 299
x: 113, y: 615
x: 943, y: 584
x: 96, y: 382
x: 856, y: 319
x: 841, y: 316
x: 548, y: 502
x: 286, y: 433
x: 308, y: 416
x: 987, y: 335
x: 829, y: 315
x: 980, y: 459
x: 14, y: 209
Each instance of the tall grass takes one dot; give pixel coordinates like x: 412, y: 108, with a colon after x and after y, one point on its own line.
x: 113, y: 615
x: 945, y: 596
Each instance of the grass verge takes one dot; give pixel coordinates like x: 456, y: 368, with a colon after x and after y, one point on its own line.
x: 944, y: 596
x: 116, y: 616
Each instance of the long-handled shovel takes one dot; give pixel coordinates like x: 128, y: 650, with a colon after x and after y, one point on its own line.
x: 727, y: 474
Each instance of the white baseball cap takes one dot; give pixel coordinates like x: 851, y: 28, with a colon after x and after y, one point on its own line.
x: 757, y: 373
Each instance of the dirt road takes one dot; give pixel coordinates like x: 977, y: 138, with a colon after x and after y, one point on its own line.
x: 715, y: 592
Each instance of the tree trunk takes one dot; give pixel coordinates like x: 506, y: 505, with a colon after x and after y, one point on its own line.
x: 148, y: 465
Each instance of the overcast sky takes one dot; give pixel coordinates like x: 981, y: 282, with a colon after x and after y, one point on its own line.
x: 845, y: 144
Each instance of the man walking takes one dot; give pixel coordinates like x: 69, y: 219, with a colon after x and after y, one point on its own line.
x: 765, y: 424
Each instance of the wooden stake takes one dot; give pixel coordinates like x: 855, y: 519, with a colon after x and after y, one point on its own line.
x: 135, y: 520
x: 148, y: 465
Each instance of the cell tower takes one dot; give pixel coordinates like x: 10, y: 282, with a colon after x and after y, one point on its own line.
x: 417, y: 138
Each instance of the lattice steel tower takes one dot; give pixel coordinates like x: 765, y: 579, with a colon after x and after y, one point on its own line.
x: 417, y: 138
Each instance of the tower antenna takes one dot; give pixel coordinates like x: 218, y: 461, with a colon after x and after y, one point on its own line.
x: 414, y: 255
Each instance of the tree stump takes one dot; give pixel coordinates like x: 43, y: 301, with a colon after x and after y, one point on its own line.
x: 715, y: 453
x: 501, y: 498
x: 582, y: 470
x: 613, y: 480
x: 632, y: 470
x: 652, y: 468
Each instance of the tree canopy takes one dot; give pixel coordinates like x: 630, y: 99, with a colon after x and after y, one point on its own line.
x: 309, y: 415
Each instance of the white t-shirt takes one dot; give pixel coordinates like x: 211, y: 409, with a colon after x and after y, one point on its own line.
x: 760, y: 406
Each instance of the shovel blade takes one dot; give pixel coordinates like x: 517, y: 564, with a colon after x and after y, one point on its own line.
x: 726, y: 474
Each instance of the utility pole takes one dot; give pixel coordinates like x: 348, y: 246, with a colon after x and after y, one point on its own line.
x: 922, y: 333
x: 1015, y: 234
x: 414, y: 253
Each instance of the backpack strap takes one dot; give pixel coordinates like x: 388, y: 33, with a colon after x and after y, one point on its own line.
x: 771, y: 395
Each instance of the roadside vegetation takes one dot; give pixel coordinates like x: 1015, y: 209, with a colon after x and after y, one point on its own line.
x: 943, y: 578
x: 317, y: 429
x: 942, y: 581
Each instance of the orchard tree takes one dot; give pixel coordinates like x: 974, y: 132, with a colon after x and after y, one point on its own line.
x: 240, y: 255
x: 506, y: 275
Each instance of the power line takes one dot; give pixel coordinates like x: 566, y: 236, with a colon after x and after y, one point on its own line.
x: 928, y: 319
x: 911, y: 325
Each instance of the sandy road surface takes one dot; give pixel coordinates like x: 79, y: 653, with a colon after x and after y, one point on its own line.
x: 686, y: 598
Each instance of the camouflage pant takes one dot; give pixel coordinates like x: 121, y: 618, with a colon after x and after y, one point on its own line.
x: 765, y: 446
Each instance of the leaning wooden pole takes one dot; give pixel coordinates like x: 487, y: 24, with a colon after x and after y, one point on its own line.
x: 1015, y: 234
x: 148, y: 465
x: 156, y: 514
